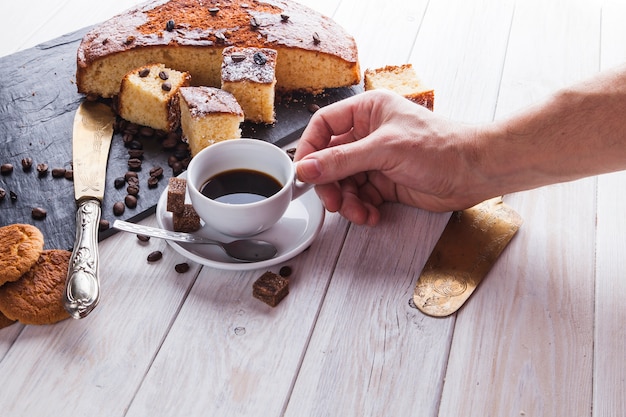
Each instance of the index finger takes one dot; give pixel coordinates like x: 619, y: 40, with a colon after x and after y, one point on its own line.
x: 332, y: 120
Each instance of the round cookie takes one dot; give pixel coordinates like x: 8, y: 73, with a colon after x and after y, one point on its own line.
x: 20, y: 247
x: 37, y: 297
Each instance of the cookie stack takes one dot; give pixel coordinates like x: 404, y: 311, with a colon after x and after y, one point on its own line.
x: 32, y: 280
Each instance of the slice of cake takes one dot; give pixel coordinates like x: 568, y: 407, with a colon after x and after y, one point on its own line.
x: 208, y: 115
x: 403, y: 80
x: 249, y: 75
x: 149, y: 96
x: 315, y: 52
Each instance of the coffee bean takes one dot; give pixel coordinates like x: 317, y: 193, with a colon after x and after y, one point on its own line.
x: 119, y: 182
x: 132, y: 189
x: 313, y: 107
x: 181, y: 268
x: 42, y: 169
x: 171, y: 160
x: 27, y: 164
x: 316, y: 38
x: 144, y: 72
x: 131, y: 129
x: 169, y: 142
x: 134, y: 164
x: 156, y: 171
x: 6, y: 169
x: 133, y: 181
x: 69, y: 174
x: 177, y: 168
x: 103, y: 225
x: 58, y: 172
x: 166, y: 86
x: 128, y: 138
x: 153, y: 182
x: 181, y: 154
x: 13, y: 196
x: 39, y: 213
x: 3, y: 194
x: 155, y: 256
x: 131, y: 174
x: 238, y: 57
x: 143, y: 238
x: 259, y: 58
x: 135, y: 144
x: 170, y: 25
x: 146, y: 131
x: 130, y: 201
x: 214, y: 10
x: 135, y: 153
x: 119, y: 208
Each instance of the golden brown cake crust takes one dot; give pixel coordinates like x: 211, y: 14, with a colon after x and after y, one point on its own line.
x: 194, y: 25
x: 20, y: 247
x: 37, y: 297
x: 180, y: 24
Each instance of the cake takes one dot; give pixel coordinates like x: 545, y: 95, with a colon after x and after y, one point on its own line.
x: 314, y: 52
x: 249, y: 75
x: 149, y: 96
x: 208, y: 115
x: 403, y: 80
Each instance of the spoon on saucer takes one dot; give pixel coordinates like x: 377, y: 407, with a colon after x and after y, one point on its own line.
x: 249, y: 250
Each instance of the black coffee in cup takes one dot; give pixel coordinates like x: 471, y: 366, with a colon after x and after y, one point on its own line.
x: 240, y: 186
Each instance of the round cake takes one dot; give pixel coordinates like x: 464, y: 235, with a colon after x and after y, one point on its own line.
x: 314, y: 52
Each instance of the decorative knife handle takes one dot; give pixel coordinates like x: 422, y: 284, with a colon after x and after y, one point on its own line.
x: 82, y: 288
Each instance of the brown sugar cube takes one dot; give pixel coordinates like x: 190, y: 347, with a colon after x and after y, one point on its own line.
x: 176, y: 194
x: 270, y: 288
x: 187, y: 221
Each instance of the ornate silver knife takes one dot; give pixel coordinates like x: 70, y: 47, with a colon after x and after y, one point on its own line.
x: 93, y: 130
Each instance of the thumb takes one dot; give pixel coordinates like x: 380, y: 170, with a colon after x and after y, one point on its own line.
x: 336, y: 163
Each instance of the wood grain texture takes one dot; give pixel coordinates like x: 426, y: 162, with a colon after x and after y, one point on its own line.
x: 528, y: 332
x: 372, y: 353
x: 609, y: 382
x: 241, y: 354
x: 543, y: 334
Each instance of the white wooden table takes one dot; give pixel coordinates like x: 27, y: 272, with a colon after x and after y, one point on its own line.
x: 544, y: 334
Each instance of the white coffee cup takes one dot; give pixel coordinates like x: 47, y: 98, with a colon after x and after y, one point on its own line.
x: 249, y: 218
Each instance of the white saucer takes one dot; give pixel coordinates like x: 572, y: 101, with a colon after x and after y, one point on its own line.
x: 293, y: 233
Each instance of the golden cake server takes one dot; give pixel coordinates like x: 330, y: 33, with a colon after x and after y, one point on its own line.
x: 467, y: 249
x: 93, y: 131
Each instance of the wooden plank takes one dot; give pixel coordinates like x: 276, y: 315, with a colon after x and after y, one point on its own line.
x: 459, y: 52
x: 237, y: 355
x: 609, y: 378
x: 82, y: 367
x: 372, y: 354
x: 382, y: 44
x: 524, y: 345
x: 49, y: 20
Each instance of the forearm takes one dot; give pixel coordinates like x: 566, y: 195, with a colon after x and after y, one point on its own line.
x: 577, y: 132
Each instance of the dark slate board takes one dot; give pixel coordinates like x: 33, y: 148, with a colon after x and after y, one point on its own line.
x: 38, y: 99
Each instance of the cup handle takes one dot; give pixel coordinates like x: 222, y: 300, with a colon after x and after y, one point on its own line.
x: 299, y: 188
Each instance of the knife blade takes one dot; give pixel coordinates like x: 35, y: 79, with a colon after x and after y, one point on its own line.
x: 467, y: 249
x: 92, y: 134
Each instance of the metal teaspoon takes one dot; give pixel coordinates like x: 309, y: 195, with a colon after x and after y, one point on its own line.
x: 249, y: 250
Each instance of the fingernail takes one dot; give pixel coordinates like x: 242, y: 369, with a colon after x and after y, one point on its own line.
x: 308, y: 169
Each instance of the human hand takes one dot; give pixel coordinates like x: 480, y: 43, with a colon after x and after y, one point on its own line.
x: 377, y: 147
